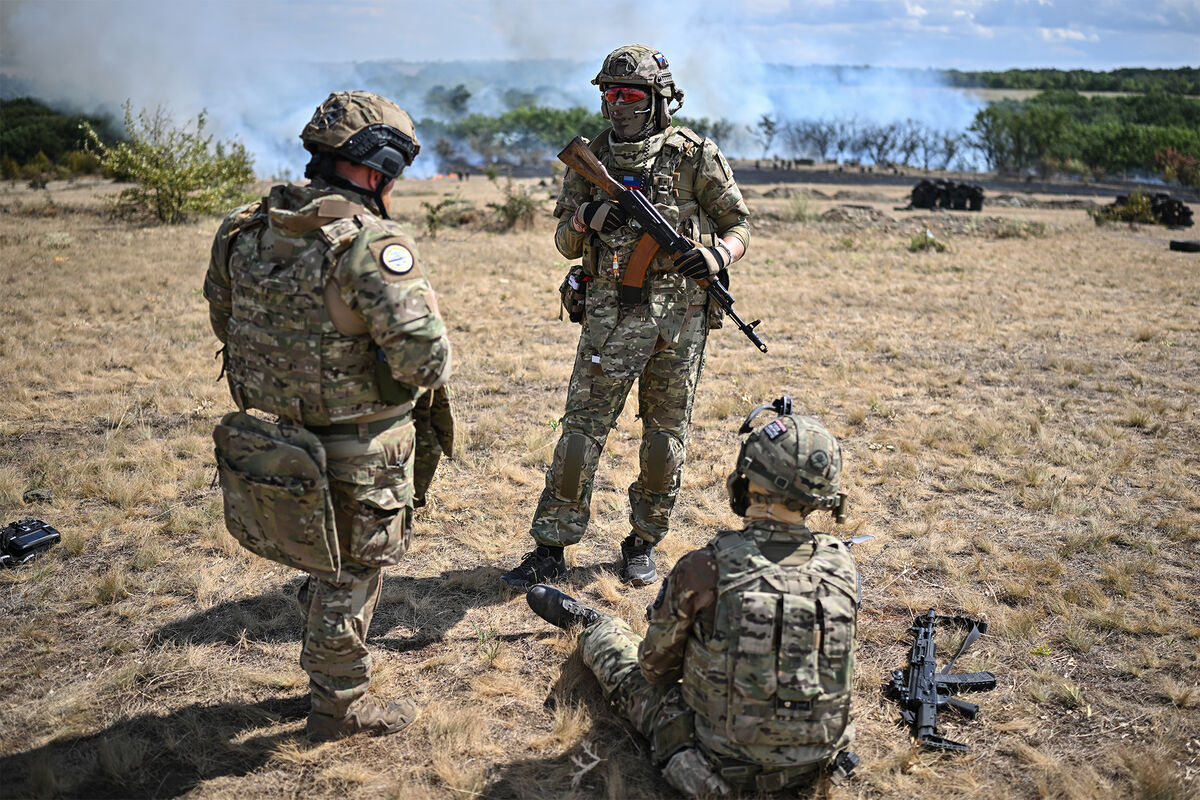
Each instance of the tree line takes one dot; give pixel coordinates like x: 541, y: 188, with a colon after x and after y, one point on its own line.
x: 1068, y: 132
x: 1064, y: 132
x: 1183, y: 80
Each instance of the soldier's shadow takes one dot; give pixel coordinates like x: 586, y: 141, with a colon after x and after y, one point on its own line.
x: 156, y: 755
x: 414, y: 613
x: 422, y: 609
x: 610, y: 760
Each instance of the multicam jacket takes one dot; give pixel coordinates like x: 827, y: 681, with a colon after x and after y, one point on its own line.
x: 690, y: 182
x: 759, y: 626
x: 276, y: 267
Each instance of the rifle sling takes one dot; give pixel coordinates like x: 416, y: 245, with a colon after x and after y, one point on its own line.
x: 967, y: 642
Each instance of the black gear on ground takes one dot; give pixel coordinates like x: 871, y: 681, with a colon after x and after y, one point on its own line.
x: 951, y: 195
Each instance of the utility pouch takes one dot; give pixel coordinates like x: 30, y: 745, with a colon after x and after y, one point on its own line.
x: 277, y: 501
x: 674, y: 727
x: 574, y: 293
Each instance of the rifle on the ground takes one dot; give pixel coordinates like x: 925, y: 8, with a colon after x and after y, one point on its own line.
x: 922, y: 691
x: 656, y: 233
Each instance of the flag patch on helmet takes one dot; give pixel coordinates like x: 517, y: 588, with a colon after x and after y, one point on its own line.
x: 632, y: 182
x: 661, y: 60
x: 775, y: 429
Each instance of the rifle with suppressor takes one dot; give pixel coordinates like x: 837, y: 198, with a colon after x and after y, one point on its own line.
x: 656, y: 233
x: 922, y: 691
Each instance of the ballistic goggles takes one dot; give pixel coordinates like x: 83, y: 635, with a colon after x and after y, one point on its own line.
x: 624, y: 94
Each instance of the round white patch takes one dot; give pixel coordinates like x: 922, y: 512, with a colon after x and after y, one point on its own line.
x: 396, y: 259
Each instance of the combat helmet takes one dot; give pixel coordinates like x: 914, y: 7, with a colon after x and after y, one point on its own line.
x: 792, y: 458
x: 362, y: 128
x: 639, y: 65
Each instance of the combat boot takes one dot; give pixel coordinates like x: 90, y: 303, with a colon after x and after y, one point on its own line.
x: 367, y: 715
x: 544, y: 563
x: 637, y: 561
x: 559, y: 608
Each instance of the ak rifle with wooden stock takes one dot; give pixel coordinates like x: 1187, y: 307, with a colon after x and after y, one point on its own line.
x: 657, y: 234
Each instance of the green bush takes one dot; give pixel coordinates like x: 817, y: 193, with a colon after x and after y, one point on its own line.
x: 519, y: 209
x: 9, y: 169
x: 37, y: 171
x: 178, y: 172
x: 926, y: 241
x: 80, y: 162
x: 437, y: 215
x: 1136, y: 208
x: 1177, y: 166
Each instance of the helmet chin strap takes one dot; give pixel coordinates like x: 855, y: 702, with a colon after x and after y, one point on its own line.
x: 379, y: 199
x: 333, y: 179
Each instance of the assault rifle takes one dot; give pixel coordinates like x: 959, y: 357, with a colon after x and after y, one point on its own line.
x: 656, y: 233
x: 922, y: 691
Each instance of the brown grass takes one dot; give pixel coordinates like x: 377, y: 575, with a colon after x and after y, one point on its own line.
x: 1019, y: 420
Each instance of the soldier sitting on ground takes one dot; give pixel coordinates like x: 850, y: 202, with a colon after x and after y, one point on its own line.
x: 743, y: 680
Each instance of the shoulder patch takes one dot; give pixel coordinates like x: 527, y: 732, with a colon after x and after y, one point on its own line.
x: 396, y: 259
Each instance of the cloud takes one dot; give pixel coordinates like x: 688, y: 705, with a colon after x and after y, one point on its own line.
x: 260, y: 67
x: 915, y: 11
x: 1066, y: 35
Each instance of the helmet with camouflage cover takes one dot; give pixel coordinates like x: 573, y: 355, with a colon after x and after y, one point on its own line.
x: 362, y: 128
x: 639, y: 65
x: 793, y: 460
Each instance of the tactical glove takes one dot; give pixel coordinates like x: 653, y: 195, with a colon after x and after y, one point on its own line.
x: 602, y: 215
x: 702, y: 262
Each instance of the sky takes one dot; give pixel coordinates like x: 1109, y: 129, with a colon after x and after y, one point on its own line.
x: 260, y: 66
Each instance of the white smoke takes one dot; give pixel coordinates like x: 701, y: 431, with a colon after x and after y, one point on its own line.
x: 260, y: 68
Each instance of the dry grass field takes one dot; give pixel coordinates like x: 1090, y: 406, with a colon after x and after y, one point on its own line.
x: 1020, y: 416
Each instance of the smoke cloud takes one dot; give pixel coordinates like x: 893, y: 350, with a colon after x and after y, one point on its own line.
x: 260, y: 68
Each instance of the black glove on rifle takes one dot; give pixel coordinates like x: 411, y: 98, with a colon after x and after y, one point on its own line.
x: 702, y: 262
x: 602, y: 216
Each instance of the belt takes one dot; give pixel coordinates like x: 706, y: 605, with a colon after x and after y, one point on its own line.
x: 358, y: 428
x: 765, y: 779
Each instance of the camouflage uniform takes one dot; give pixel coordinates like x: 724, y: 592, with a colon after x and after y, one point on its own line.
x: 659, y: 341
x: 749, y: 656
x: 278, y: 267
x: 434, y: 426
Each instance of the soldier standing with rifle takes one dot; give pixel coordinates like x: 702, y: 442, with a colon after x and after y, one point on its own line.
x: 646, y: 314
x: 330, y: 327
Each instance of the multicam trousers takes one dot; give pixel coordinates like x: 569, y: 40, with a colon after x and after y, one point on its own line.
x: 666, y: 391
x: 370, y: 478
x: 610, y: 650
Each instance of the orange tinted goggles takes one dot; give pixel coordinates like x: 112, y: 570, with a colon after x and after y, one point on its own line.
x: 624, y: 94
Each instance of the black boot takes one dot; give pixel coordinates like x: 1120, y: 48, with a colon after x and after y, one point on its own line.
x: 559, y: 608
x: 637, y: 561
x: 543, y: 564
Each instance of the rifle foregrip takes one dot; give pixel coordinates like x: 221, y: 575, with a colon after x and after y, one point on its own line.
x: 968, y: 681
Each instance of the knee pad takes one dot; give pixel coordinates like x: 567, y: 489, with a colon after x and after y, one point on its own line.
x: 575, y: 452
x: 662, y: 456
